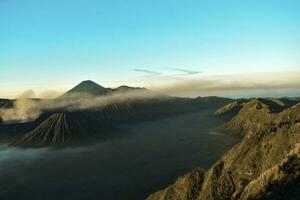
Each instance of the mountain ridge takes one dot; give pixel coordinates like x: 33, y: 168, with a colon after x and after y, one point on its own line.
x: 264, y: 165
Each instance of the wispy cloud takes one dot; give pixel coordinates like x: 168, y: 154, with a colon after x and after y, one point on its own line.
x: 185, y: 71
x: 149, y: 72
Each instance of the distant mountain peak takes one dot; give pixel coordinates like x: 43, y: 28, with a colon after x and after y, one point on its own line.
x: 87, y: 87
x: 88, y: 84
x: 88, y: 81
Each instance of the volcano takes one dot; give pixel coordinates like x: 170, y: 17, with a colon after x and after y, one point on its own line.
x: 88, y: 88
x: 62, y: 128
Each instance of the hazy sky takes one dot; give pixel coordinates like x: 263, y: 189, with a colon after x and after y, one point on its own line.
x: 54, y: 44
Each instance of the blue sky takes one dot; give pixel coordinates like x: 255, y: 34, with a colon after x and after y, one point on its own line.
x: 58, y: 43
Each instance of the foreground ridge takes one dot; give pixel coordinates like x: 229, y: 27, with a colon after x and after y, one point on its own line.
x: 264, y: 165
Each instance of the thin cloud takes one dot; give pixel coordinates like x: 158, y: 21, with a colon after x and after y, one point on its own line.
x: 150, y: 72
x: 186, y: 71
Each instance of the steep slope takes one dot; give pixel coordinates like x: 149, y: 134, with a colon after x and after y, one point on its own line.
x: 264, y: 165
x: 61, y: 128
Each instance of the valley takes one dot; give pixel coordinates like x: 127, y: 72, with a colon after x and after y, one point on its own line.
x: 127, y: 143
x: 144, y: 157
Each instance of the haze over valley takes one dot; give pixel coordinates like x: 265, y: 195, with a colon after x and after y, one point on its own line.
x: 149, y: 100
x: 132, y: 141
x: 122, y: 144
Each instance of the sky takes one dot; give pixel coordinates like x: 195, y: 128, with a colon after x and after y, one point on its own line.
x: 171, y: 45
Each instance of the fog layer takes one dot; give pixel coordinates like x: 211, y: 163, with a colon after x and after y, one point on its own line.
x: 143, y: 158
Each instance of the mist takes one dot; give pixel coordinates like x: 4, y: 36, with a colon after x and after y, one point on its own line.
x: 27, y: 109
x: 130, y: 166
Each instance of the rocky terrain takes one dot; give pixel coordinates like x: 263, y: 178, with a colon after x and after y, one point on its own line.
x: 264, y: 165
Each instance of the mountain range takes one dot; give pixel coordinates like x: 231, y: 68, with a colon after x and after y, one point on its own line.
x: 265, y: 164
x: 90, y: 88
x: 63, y: 125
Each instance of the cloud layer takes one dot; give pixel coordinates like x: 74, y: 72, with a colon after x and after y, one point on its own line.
x: 239, y: 85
